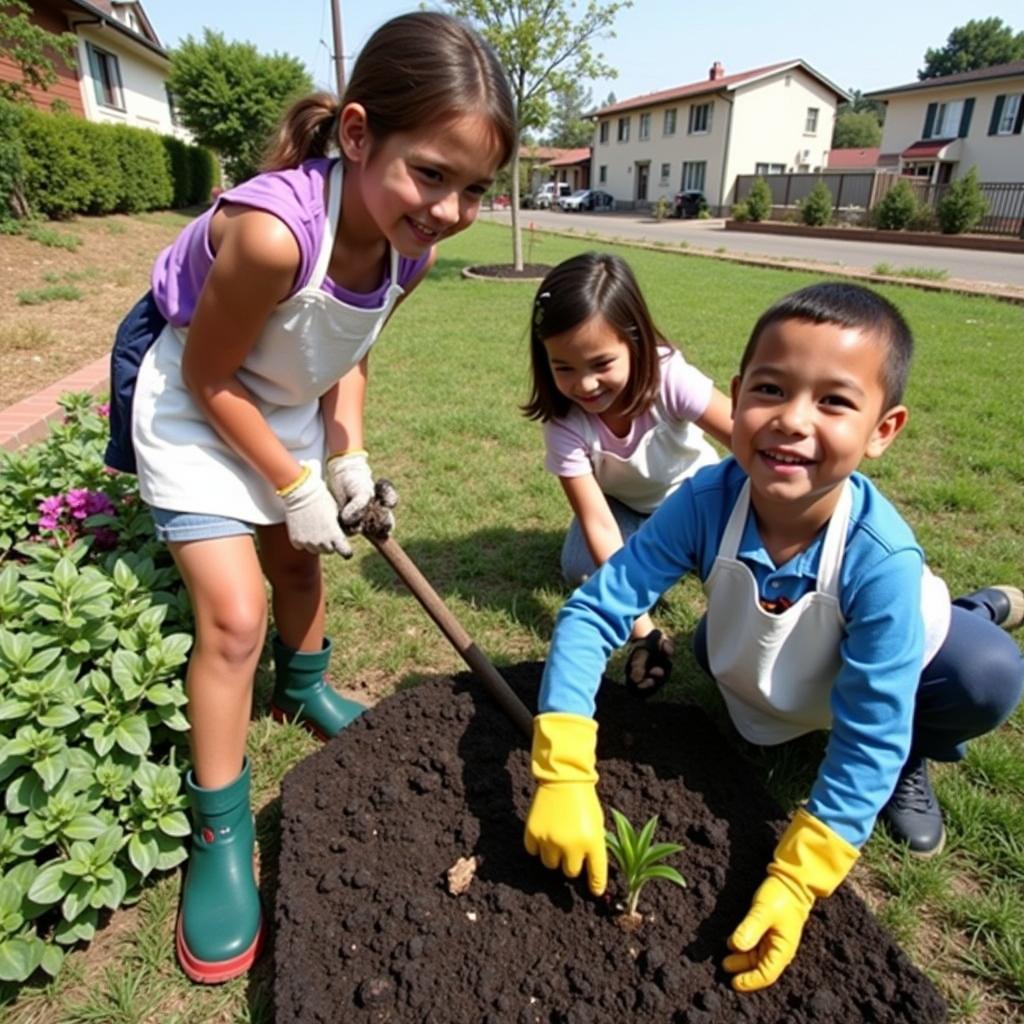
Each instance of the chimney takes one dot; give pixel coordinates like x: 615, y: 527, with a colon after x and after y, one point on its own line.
x: 717, y: 71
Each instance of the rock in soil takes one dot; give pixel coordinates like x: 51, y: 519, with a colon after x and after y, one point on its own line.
x: 368, y: 931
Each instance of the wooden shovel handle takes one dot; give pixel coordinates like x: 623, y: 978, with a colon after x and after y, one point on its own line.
x: 421, y: 589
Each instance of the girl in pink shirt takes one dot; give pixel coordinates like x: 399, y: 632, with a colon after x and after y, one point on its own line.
x: 623, y: 416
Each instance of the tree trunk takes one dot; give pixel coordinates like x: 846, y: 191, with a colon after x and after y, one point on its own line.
x: 517, y: 236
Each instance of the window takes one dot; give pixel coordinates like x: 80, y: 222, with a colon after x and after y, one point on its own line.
x: 943, y: 120
x: 645, y: 127
x: 623, y: 129
x: 602, y: 174
x: 669, y: 126
x: 1006, y: 115
x: 693, y: 174
x: 700, y: 119
x: 666, y: 173
x: 172, y: 108
x: 769, y: 168
x: 811, y: 123
x: 106, y: 77
x: 604, y: 131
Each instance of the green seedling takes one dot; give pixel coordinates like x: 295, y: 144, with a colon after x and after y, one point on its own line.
x: 639, y: 860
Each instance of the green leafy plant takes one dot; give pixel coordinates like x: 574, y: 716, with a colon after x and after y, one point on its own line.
x: 759, y: 200
x: 963, y: 205
x: 659, y: 208
x: 897, y: 208
x: 639, y: 861
x: 817, y: 208
x: 51, y: 293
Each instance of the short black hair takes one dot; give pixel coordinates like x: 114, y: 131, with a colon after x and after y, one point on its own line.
x: 848, y: 305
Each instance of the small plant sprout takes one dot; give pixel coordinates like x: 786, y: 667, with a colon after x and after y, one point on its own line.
x: 639, y: 860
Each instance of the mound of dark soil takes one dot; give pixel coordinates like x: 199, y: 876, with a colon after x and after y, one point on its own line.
x: 368, y: 931
x: 507, y: 272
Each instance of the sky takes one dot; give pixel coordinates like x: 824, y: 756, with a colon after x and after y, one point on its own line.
x: 659, y: 44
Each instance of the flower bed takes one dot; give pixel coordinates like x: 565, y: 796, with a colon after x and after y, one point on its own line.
x: 367, y: 930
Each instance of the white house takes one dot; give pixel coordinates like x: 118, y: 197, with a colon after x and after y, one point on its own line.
x: 701, y: 135
x: 939, y: 128
x: 122, y: 68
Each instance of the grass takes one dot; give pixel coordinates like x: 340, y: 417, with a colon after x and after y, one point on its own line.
x: 921, y: 273
x: 51, y: 293
x: 485, y: 523
x: 52, y: 238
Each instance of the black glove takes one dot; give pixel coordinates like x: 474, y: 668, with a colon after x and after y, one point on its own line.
x: 649, y: 664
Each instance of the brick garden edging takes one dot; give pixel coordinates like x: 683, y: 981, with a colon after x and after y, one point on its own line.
x: 29, y: 420
x: 991, y: 243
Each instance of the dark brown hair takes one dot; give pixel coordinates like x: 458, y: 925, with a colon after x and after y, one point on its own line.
x: 573, y: 292
x: 416, y: 70
x: 847, y: 305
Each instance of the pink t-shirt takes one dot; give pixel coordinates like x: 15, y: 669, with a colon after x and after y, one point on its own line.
x: 685, y: 393
x: 296, y: 196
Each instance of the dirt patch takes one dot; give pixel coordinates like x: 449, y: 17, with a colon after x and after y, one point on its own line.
x: 366, y: 929
x: 40, y: 344
x: 507, y: 272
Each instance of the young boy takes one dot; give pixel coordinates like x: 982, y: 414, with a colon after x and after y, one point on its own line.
x: 821, y: 615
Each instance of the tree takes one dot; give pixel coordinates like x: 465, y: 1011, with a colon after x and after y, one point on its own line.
x: 858, y: 103
x: 542, y: 49
x: 34, y: 51
x: 230, y: 96
x: 978, y: 44
x: 759, y: 200
x: 963, y: 206
x: 570, y: 129
x: 856, y: 131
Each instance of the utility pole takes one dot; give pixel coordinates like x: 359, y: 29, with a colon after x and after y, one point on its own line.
x: 339, y: 57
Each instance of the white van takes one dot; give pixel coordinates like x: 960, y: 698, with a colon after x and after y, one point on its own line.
x: 549, y: 193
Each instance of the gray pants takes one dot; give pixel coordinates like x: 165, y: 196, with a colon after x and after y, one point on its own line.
x: 577, y: 563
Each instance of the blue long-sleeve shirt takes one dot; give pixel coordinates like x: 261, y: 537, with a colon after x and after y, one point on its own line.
x: 872, y: 697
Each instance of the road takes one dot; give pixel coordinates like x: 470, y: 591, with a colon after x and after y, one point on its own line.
x: 965, y: 264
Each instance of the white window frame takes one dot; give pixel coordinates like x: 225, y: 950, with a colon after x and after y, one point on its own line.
x: 694, y: 174
x: 644, y: 130
x: 1008, y: 117
x: 668, y: 124
x: 811, y: 121
x: 947, y: 120
x: 108, y: 85
x: 623, y: 130
x: 700, y: 119
x: 767, y: 168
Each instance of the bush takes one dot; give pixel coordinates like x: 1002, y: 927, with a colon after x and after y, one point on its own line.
x: 898, y: 207
x: 816, y: 209
x: 94, y: 635
x: 12, y: 157
x: 659, y: 208
x: 59, y: 166
x: 759, y: 200
x: 741, y: 212
x: 963, y: 205
x: 145, y: 170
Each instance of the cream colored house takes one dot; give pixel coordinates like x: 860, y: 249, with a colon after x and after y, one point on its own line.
x: 700, y: 136
x: 939, y: 128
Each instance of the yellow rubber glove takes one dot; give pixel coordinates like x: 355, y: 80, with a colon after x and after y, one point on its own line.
x: 566, y: 823
x: 810, y: 862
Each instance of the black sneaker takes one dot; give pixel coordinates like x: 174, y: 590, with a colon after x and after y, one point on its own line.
x: 913, y: 815
x: 1005, y: 603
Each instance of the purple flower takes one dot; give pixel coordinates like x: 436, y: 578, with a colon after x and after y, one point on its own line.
x: 98, y: 504
x: 51, y: 509
x: 78, y: 500
x: 104, y: 539
x: 103, y: 409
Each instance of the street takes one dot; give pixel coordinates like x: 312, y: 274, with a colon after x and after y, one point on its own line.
x: 710, y: 235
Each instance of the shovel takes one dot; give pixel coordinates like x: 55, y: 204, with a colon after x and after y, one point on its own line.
x: 428, y: 597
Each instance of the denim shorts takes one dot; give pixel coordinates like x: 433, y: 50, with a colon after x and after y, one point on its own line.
x: 176, y: 527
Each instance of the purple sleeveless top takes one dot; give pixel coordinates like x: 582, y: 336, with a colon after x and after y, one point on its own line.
x: 296, y: 196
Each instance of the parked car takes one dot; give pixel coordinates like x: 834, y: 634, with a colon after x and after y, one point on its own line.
x: 587, y: 199
x: 689, y: 203
x: 550, y: 193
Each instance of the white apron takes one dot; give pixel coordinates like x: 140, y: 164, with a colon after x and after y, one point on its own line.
x: 776, y: 671
x: 666, y: 455
x: 310, y: 341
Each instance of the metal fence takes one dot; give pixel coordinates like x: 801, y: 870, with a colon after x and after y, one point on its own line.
x: 854, y: 193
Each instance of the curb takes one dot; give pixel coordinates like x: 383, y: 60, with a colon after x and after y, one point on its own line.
x: 29, y: 420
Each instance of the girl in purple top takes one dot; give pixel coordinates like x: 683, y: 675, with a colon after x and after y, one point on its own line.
x: 623, y: 414
x: 239, y: 385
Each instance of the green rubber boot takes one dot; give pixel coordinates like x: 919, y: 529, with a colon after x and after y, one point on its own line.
x: 220, y: 925
x: 301, y: 694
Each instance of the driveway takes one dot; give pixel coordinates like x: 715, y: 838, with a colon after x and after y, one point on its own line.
x: 998, y: 268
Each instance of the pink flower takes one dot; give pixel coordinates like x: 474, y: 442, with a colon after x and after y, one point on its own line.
x: 77, y: 500
x: 103, y: 409
x: 51, y: 509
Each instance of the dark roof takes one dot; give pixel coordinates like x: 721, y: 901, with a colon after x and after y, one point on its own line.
x: 708, y: 85
x: 1012, y: 70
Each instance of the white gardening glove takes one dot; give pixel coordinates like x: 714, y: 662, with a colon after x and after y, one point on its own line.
x: 311, y: 516
x: 351, y: 483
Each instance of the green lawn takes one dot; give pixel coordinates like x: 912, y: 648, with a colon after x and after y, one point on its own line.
x: 484, y: 522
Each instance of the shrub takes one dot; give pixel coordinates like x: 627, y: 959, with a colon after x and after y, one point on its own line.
x: 205, y: 174
x: 898, y: 207
x: 181, y: 169
x: 59, y: 167
x: 816, y: 209
x: 741, y: 212
x: 759, y: 200
x: 145, y: 170
x: 12, y: 158
x: 963, y: 205
x: 93, y: 637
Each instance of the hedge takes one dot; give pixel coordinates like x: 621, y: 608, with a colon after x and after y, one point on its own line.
x: 66, y: 166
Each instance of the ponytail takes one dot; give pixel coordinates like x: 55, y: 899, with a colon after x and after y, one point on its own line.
x: 307, y: 130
